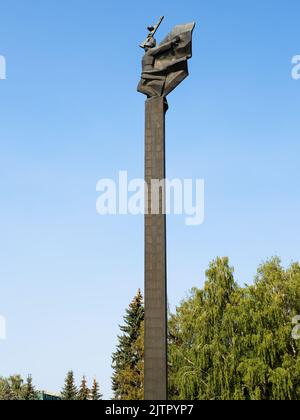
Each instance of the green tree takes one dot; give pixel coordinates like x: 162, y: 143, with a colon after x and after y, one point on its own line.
x: 16, y: 387
x: 235, y: 343
x: 95, y: 394
x: 84, y: 392
x: 5, y: 390
x: 69, y: 392
x: 271, y: 370
x: 30, y: 393
x: 127, y: 381
x: 197, y: 345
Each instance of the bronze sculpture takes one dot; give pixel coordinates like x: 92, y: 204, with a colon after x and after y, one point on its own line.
x: 165, y: 66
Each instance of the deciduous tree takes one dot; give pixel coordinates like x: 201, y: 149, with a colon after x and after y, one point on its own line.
x: 229, y: 342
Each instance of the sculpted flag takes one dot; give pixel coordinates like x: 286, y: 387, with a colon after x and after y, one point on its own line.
x: 166, y: 66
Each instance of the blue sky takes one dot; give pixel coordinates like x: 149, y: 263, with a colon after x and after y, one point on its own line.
x: 70, y: 115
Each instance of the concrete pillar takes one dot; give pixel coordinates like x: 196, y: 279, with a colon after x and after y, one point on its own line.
x: 156, y: 371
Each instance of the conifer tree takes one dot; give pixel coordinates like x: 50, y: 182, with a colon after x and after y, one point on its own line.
x: 69, y: 392
x: 84, y: 392
x: 95, y: 394
x: 30, y: 393
x: 127, y: 381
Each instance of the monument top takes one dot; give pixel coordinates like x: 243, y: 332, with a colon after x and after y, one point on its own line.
x: 165, y: 66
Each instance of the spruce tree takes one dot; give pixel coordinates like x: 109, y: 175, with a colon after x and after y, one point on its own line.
x: 95, y: 394
x: 127, y: 381
x: 69, y: 392
x: 30, y: 393
x: 84, y: 392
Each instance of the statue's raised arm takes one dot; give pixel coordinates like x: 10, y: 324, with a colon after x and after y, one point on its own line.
x: 166, y: 66
x: 152, y: 31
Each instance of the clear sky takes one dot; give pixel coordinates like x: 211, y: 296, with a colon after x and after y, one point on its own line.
x: 70, y: 115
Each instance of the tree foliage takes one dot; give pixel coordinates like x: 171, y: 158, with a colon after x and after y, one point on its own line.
x: 14, y: 389
x: 30, y: 394
x: 69, y: 392
x: 95, y: 392
x: 128, y: 358
x: 84, y: 392
x: 228, y: 342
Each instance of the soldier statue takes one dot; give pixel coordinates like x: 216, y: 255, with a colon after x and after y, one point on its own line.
x: 165, y: 66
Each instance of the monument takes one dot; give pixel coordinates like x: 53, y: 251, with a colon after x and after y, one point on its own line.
x: 164, y: 67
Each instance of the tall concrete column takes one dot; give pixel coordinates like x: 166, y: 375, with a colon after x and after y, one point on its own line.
x: 156, y: 371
